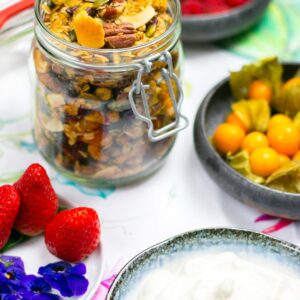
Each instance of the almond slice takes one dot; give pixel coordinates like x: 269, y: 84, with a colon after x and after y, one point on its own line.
x: 89, y: 32
x: 141, y: 18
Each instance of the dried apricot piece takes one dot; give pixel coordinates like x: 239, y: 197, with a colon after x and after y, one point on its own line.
x: 89, y: 32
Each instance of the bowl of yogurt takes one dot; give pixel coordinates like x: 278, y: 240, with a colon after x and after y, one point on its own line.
x: 212, y: 264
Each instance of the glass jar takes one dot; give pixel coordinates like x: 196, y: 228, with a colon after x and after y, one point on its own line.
x: 107, y: 116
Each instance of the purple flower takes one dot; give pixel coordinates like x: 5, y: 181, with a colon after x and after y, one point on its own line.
x: 11, y: 275
x: 36, y: 288
x: 9, y: 297
x: 8, y: 292
x: 4, y: 289
x: 68, y: 279
x: 14, y: 261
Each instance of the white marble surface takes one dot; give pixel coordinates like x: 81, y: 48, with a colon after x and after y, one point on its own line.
x: 178, y: 198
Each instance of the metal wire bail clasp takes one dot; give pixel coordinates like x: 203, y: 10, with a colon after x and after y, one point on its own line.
x: 139, y: 89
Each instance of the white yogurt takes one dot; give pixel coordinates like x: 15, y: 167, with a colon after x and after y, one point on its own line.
x: 223, y: 276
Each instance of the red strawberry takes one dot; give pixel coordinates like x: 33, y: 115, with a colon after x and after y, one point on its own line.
x: 9, y: 206
x: 73, y: 234
x: 39, y: 202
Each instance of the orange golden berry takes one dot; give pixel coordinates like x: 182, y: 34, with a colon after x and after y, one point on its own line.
x: 283, y: 159
x: 254, y: 140
x: 279, y: 119
x: 228, y: 138
x: 284, y: 139
x: 259, y: 90
x: 232, y: 118
x: 264, y: 161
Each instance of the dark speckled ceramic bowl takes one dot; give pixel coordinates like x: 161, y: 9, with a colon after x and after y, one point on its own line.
x: 214, y: 27
x: 216, y: 240
x: 213, y: 111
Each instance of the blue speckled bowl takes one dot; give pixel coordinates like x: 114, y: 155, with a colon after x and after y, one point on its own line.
x: 216, y: 239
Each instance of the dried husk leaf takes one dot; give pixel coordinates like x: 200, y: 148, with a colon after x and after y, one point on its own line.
x: 286, y: 178
x: 268, y: 70
x: 254, y: 114
x: 288, y: 102
x: 296, y: 120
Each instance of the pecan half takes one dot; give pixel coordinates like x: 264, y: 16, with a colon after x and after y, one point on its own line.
x: 115, y: 29
x: 121, y: 41
x: 113, y: 10
x: 119, y: 35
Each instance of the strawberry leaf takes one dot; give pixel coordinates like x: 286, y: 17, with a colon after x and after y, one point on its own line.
x: 62, y: 209
x: 15, y: 239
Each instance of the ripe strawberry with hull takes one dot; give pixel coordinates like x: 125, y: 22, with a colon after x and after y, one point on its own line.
x: 73, y: 234
x: 39, y: 203
x: 9, y: 206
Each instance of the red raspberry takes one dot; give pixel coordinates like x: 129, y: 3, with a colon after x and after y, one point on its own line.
x: 209, y: 3
x: 192, y: 7
x: 218, y: 8
x: 236, y: 3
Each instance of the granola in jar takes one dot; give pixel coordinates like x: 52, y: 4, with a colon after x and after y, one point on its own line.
x: 94, y: 60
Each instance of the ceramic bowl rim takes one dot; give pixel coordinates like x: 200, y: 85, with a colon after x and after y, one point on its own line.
x: 200, y: 120
x: 289, y: 246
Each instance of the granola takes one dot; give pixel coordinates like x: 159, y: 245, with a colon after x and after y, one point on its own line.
x: 84, y: 21
x: 84, y: 124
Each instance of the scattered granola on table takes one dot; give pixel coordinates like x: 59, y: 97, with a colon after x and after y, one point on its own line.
x: 84, y: 123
